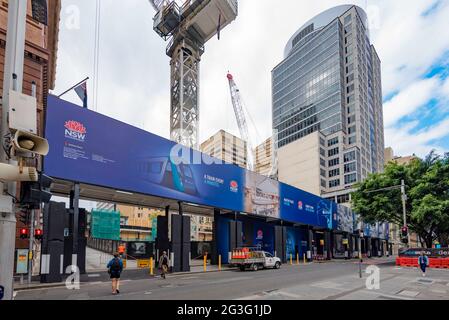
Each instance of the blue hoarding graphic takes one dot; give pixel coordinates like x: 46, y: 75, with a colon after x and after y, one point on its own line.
x: 91, y: 148
x: 300, y: 206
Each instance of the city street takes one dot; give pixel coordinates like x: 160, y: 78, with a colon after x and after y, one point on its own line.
x: 331, y: 281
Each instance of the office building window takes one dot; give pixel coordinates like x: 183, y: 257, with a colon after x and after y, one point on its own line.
x: 333, y: 152
x: 334, y: 172
x: 322, y: 141
x: 350, y: 156
x: 351, y: 119
x: 350, y: 98
x: 323, y: 183
x: 322, y: 152
x: 334, y: 162
x: 352, y: 140
x: 322, y: 162
x: 350, y: 78
x: 334, y: 183
x: 350, y: 178
x: 351, y: 130
x: 344, y: 198
x: 348, y: 19
x: 323, y: 173
x: 332, y: 142
x: 350, y: 167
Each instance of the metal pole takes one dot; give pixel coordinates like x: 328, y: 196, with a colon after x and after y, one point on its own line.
x: 14, y: 57
x: 360, y: 255
x: 404, y: 210
x: 75, y: 207
x: 30, y: 252
x: 33, y: 218
x: 71, y: 88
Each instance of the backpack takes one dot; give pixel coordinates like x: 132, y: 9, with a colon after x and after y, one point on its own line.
x: 115, y: 266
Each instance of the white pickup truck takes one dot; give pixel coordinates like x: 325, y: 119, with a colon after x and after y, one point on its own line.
x: 255, y: 260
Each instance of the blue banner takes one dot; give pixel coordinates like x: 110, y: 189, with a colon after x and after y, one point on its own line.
x: 91, y: 148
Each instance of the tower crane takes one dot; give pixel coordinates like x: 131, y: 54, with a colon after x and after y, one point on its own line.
x: 189, y: 24
x: 241, y: 120
x: 238, y: 106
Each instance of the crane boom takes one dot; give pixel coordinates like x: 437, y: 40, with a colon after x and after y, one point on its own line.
x: 241, y: 120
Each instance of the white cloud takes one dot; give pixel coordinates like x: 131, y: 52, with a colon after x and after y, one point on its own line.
x: 409, y: 100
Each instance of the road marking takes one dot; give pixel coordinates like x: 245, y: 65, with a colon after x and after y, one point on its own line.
x: 230, y: 280
x: 94, y: 275
x: 148, y: 292
x: 188, y: 278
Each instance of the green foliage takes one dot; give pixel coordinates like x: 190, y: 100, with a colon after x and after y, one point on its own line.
x: 427, y: 189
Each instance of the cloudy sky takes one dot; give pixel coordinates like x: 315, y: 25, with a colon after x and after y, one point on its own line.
x: 411, y: 38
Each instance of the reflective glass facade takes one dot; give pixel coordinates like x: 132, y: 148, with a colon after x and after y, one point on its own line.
x: 330, y: 82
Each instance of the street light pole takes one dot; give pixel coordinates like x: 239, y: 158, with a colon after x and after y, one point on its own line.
x: 404, y: 210
x: 13, y: 65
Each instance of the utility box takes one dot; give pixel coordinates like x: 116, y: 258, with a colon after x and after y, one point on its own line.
x: 22, y: 112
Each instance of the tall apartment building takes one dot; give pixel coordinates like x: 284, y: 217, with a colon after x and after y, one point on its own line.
x: 264, y: 158
x: 327, y: 105
x: 226, y: 147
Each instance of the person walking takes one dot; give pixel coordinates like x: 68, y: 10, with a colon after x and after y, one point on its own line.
x: 115, y: 268
x: 423, y: 262
x: 163, y: 264
x: 121, y: 250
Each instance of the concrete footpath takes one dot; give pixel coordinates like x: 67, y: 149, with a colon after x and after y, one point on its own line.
x: 102, y: 275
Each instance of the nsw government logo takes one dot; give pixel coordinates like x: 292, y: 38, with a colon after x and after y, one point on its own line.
x: 75, y: 130
x: 300, y: 205
x: 234, y: 186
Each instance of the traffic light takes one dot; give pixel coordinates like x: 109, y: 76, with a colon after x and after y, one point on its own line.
x: 24, y: 217
x: 38, y: 233
x: 35, y: 193
x: 404, y: 231
x: 404, y: 234
x: 24, y: 233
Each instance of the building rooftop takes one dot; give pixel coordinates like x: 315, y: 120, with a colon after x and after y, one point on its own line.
x: 321, y: 20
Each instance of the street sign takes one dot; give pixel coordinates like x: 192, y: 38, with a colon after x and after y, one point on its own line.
x: 143, y: 263
x: 22, y: 261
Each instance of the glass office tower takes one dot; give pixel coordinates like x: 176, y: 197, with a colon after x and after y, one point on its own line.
x: 329, y: 84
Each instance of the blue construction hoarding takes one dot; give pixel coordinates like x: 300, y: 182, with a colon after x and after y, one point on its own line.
x: 91, y: 148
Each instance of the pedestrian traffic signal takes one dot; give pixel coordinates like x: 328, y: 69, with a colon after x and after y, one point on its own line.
x: 24, y: 217
x: 404, y: 231
x: 35, y: 193
x: 24, y: 233
x: 38, y: 233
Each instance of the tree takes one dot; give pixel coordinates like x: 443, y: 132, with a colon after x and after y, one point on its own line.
x: 427, y: 204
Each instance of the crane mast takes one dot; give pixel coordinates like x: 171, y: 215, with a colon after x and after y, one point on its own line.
x: 188, y: 25
x: 241, y: 120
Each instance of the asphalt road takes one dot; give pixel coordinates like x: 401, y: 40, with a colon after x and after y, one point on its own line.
x: 222, y: 285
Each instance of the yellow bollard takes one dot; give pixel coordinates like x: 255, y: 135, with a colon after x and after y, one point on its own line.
x: 297, y: 258
x: 304, y: 256
x: 291, y: 259
x: 219, y: 262
x: 151, y: 267
x: 205, y: 263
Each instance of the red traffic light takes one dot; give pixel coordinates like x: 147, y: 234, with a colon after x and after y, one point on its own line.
x: 38, y: 233
x: 24, y: 233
